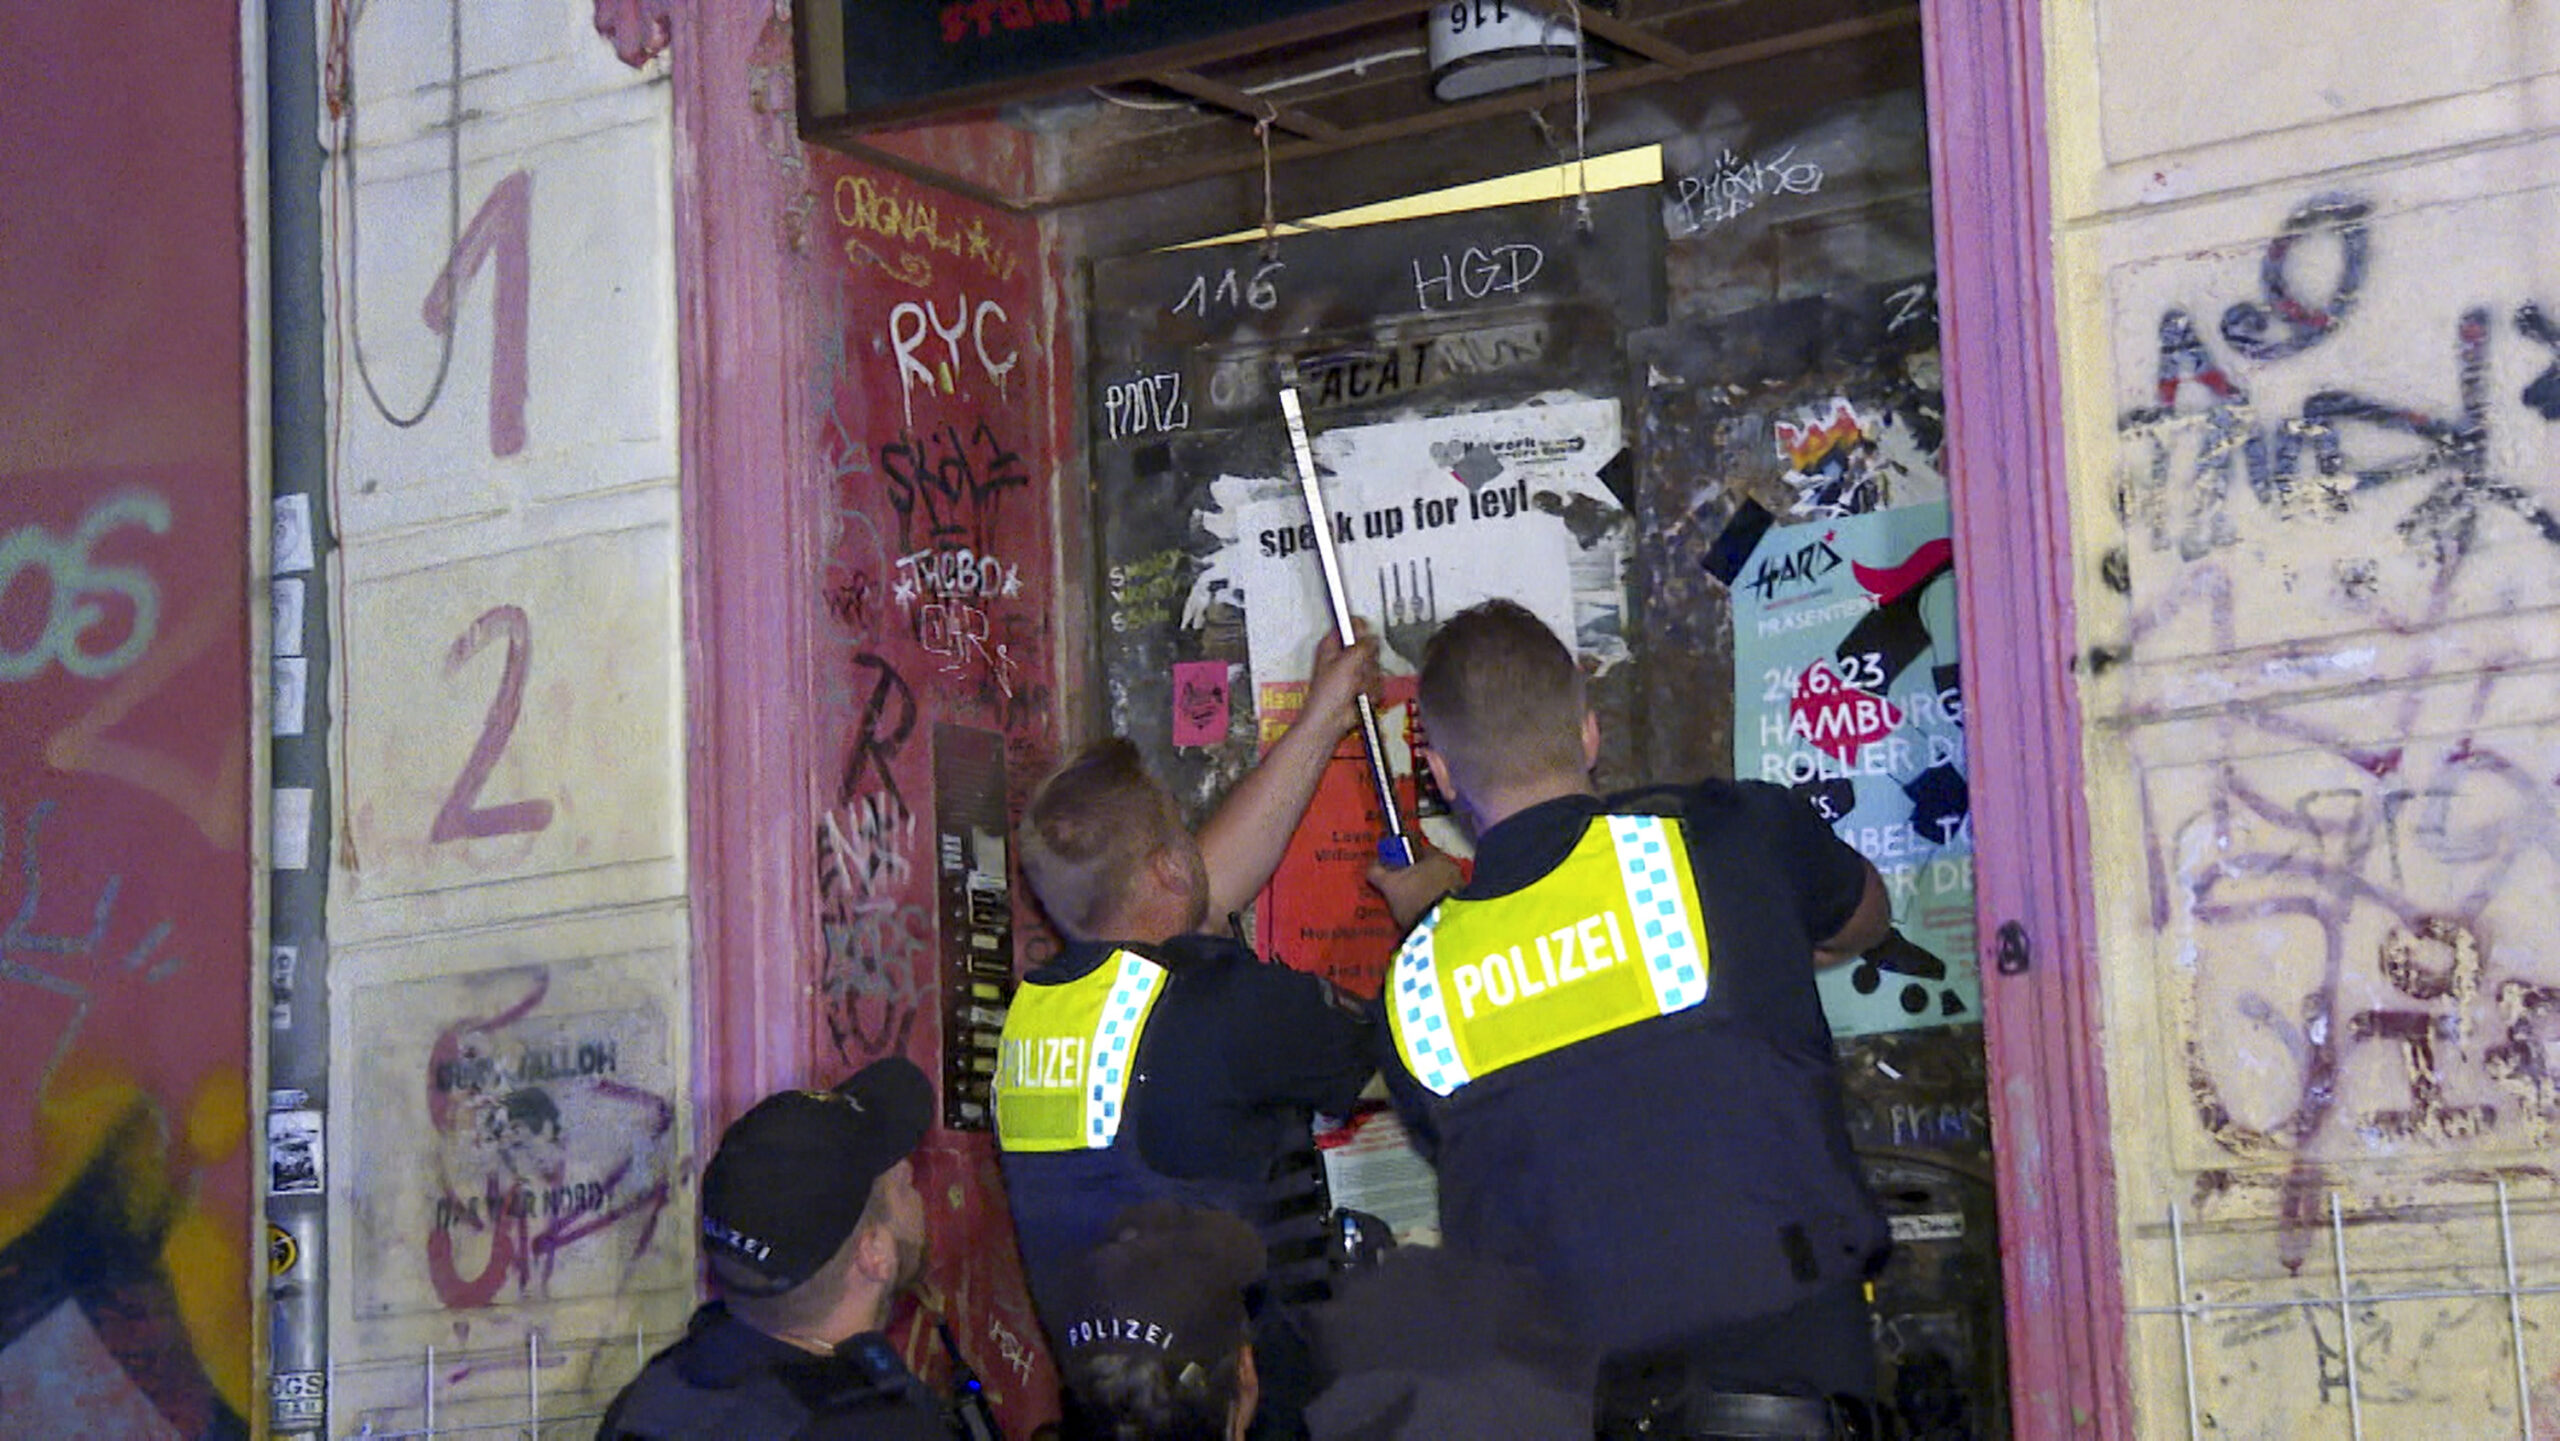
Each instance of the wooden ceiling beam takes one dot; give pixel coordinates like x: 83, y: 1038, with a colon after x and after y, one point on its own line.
x: 1599, y: 82
x: 1249, y: 105
x: 1635, y: 38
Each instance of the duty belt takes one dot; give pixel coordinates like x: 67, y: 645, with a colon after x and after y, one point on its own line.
x: 1745, y: 1414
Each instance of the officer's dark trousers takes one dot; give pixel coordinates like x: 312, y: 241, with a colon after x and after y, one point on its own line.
x: 1285, y: 1362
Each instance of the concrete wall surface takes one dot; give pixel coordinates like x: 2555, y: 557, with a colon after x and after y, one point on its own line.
x: 2313, y: 394
x: 127, y: 760
x: 510, y: 1044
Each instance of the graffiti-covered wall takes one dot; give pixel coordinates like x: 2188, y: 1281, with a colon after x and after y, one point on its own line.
x: 505, y: 1138
x: 2314, y: 395
x: 933, y: 381
x: 125, y: 733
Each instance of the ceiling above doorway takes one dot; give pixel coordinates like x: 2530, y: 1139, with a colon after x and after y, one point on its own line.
x: 1345, y: 77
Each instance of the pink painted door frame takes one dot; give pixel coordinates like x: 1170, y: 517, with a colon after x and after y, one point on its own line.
x: 750, y: 555
x: 751, y: 567
x: 2032, y: 888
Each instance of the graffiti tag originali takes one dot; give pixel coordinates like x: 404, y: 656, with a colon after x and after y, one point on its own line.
x: 879, y: 210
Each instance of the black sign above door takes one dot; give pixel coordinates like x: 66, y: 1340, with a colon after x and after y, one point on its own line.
x: 905, y: 58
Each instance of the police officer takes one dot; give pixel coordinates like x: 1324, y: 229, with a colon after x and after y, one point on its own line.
x: 812, y: 1225
x: 1610, y: 1043
x: 1157, y: 1346
x: 1153, y: 1060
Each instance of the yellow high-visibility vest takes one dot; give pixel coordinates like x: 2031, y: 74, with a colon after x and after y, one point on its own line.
x: 1064, y: 1058
x: 1613, y: 936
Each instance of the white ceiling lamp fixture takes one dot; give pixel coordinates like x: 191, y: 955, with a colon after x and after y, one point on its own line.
x: 1479, y: 47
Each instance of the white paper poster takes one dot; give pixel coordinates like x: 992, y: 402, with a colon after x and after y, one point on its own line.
x: 1430, y: 516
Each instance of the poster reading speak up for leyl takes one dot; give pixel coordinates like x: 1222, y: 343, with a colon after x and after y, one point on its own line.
x: 1428, y: 516
x: 1845, y: 691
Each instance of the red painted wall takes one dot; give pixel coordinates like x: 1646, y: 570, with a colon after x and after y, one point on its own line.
x: 124, y: 720
x: 936, y: 393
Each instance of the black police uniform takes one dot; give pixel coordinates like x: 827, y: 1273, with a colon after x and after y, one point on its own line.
x: 1235, y: 1056
x: 1633, y: 1167
x: 727, y: 1381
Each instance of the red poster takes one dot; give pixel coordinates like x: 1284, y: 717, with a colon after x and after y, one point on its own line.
x: 1319, y: 913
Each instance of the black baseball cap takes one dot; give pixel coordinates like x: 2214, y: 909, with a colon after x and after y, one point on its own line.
x: 792, y: 1175
x: 1169, y: 1280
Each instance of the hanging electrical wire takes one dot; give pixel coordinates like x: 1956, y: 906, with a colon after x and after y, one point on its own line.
x: 1359, y: 66
x: 1130, y: 103
x: 342, y: 110
x: 1356, y: 66
x: 1270, y: 210
x: 1579, y: 162
x: 1581, y: 124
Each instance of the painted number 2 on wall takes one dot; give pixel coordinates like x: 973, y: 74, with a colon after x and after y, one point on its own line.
x: 462, y: 815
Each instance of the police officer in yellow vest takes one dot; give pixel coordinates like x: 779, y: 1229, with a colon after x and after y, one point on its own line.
x: 1155, y: 1061
x: 1610, y: 1044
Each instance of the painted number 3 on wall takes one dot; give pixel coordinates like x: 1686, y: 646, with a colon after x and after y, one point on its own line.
x: 462, y: 815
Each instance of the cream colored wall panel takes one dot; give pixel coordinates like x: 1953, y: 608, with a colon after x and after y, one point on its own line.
x: 2175, y: 75
x: 2330, y: 152
x: 2331, y: 986
x: 513, y: 718
x: 516, y: 57
x: 400, y: 552
x: 552, y: 318
x: 514, y: 1133
x: 2313, y: 406
x: 513, y: 1166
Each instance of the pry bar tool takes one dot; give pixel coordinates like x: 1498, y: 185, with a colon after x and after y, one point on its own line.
x: 1395, y: 848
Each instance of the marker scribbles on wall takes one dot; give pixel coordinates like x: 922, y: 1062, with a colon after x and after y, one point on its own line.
x: 1846, y: 669
x: 1734, y: 184
x: 516, y: 1132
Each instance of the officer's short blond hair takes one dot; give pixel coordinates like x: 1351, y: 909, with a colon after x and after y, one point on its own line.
x: 1501, y: 699
x: 1091, y: 828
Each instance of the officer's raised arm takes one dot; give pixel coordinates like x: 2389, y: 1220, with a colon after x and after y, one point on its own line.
x: 1870, y: 923
x: 1242, y: 844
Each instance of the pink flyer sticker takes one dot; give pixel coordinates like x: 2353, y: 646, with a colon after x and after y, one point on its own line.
x: 1199, y: 702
